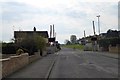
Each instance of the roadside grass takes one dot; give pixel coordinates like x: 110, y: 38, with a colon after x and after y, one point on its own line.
x: 76, y: 46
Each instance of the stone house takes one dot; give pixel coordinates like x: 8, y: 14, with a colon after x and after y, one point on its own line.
x: 19, y: 35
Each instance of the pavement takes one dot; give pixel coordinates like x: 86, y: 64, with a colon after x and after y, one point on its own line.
x: 38, y: 69
x: 107, y: 54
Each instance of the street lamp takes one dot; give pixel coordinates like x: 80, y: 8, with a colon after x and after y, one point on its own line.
x: 98, y: 24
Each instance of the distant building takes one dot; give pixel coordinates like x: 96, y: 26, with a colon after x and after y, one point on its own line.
x: 110, y: 34
x: 20, y: 35
x: 103, y: 35
x: 119, y: 33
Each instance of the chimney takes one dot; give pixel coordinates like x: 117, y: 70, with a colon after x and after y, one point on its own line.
x: 34, y: 29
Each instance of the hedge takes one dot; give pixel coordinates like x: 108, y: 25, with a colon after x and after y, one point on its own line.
x: 8, y: 48
x: 109, y: 41
x: 28, y: 44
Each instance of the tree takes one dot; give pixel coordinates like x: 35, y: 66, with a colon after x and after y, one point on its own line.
x: 28, y: 45
x: 32, y: 45
x: 13, y: 40
x: 67, y: 42
x: 73, y: 39
x: 40, y: 43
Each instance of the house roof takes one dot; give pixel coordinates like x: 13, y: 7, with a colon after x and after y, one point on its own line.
x: 30, y: 33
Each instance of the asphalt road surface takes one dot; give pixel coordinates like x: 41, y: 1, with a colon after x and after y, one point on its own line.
x: 69, y: 63
x: 79, y: 64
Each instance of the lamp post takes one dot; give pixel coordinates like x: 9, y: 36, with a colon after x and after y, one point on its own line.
x: 98, y: 24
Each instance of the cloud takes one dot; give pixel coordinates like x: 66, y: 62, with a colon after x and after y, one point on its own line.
x: 119, y: 16
x: 70, y: 17
x: 0, y: 24
x: 18, y: 11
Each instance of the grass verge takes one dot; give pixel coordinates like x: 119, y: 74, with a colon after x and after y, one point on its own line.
x: 76, y: 46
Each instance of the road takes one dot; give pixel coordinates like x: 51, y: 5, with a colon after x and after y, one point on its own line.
x: 80, y: 64
x: 69, y: 63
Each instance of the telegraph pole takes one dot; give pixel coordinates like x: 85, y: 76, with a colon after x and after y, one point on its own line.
x: 93, y: 28
x: 84, y: 34
x: 53, y: 31
x: 50, y: 31
x: 94, y: 38
x: 55, y: 35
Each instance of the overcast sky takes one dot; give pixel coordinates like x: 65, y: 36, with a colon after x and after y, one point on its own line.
x: 69, y: 16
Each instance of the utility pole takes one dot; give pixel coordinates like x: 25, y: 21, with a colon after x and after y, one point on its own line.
x: 53, y: 31
x: 98, y: 30
x: 50, y: 31
x: 94, y: 38
x: 84, y: 37
x: 93, y: 28
x: 55, y: 35
x: 84, y: 34
x: 98, y: 24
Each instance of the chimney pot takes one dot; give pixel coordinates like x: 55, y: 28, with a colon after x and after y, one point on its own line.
x: 34, y: 29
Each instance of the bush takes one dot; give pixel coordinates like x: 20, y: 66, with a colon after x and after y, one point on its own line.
x: 8, y: 48
x: 109, y: 41
x: 19, y: 51
x: 114, y: 41
x: 104, y: 43
x: 40, y: 43
x: 31, y: 45
x: 28, y: 45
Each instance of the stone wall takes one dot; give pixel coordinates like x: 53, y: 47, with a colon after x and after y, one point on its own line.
x: 115, y: 49
x: 34, y: 57
x: 13, y: 63
x: 103, y: 49
x: 0, y: 70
